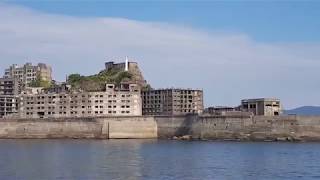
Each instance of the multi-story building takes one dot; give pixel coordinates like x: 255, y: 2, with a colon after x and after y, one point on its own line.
x: 172, y: 101
x: 27, y: 72
x: 9, y: 88
x: 123, y: 101
x: 8, y: 105
x: 262, y: 106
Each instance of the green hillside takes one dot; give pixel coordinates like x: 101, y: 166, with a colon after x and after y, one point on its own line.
x: 97, y: 82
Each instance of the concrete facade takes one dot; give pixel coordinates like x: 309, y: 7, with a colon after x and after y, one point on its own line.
x: 172, y: 102
x: 262, y: 106
x: 9, y: 88
x: 112, y: 102
x: 28, y: 72
x: 8, y: 105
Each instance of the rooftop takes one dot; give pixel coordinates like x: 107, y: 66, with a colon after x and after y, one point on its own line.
x: 260, y: 100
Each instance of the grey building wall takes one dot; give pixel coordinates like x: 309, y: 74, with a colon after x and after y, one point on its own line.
x: 112, y: 102
x: 172, y: 101
x: 27, y: 73
x: 262, y: 106
x: 9, y: 88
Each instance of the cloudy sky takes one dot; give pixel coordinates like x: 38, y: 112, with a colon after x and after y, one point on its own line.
x: 232, y: 50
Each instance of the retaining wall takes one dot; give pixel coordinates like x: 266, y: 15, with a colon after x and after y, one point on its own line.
x: 241, y: 127
x: 98, y: 128
x: 259, y: 128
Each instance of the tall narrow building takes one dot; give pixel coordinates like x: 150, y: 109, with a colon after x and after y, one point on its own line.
x: 9, y: 89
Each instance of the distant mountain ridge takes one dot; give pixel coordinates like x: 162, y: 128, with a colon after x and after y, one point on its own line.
x: 304, y: 110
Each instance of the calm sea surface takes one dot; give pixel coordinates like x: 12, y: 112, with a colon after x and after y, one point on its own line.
x: 155, y: 159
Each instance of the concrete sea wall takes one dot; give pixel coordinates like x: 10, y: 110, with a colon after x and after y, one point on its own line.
x: 97, y: 128
x: 257, y: 128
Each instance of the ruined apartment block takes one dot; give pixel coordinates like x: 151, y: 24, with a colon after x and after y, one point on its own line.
x: 27, y: 73
x: 172, y: 102
x: 262, y: 106
x: 125, y: 101
x: 8, y: 92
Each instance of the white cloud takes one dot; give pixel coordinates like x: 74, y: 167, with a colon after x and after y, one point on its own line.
x: 227, y: 66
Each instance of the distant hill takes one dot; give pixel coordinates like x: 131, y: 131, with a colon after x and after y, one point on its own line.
x: 304, y: 110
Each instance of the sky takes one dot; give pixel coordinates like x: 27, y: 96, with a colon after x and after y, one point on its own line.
x: 230, y: 49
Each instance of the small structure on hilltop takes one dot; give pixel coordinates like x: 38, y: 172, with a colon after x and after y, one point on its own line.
x: 130, y: 67
x: 114, y: 73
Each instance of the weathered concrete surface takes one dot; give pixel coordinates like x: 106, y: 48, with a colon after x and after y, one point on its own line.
x: 257, y: 128
x: 55, y: 128
x: 98, y: 128
x: 134, y: 127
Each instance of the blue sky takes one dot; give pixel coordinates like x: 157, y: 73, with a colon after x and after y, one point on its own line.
x: 277, y: 21
x: 230, y: 49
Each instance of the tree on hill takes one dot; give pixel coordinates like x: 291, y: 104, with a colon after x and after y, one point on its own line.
x: 39, y: 82
x: 97, y: 82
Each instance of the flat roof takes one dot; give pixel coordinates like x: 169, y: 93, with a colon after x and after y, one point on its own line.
x: 171, y: 89
x: 260, y: 99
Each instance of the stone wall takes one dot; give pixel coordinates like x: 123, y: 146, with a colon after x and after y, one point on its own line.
x: 97, y: 128
x: 257, y: 128
x: 50, y: 128
x: 132, y: 127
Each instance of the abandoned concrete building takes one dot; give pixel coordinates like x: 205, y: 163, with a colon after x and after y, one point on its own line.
x: 123, y: 101
x: 9, y: 89
x: 172, y: 101
x: 27, y: 73
x: 218, y: 110
x: 262, y: 106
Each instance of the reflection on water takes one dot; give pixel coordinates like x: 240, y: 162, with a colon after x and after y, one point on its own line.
x: 152, y: 159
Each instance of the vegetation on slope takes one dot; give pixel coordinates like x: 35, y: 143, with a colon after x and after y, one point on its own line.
x: 39, y: 82
x: 97, y: 82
